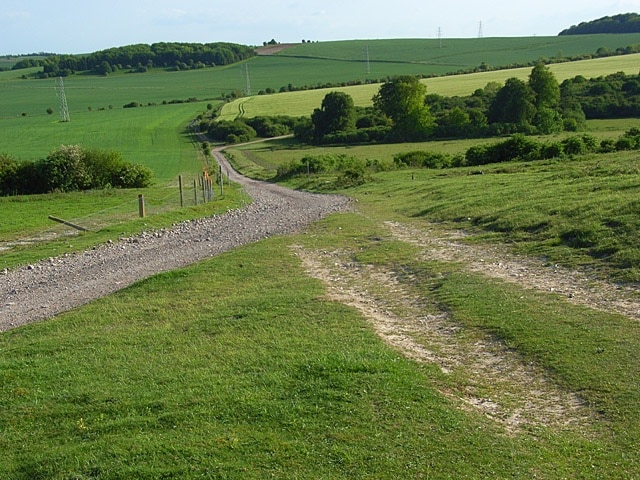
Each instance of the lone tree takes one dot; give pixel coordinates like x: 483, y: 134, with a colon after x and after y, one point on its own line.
x: 548, y: 117
x: 545, y: 86
x: 403, y: 101
x: 514, y: 104
x: 336, y: 114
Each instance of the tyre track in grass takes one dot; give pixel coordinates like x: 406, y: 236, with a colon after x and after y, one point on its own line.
x: 480, y: 374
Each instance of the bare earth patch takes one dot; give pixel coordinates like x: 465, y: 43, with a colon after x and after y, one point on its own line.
x: 273, y: 49
x: 495, y: 261
x: 488, y: 377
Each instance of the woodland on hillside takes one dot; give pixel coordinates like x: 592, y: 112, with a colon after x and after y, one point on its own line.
x: 623, y: 23
x: 139, y: 58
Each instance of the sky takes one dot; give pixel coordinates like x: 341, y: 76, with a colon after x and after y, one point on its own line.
x: 84, y: 26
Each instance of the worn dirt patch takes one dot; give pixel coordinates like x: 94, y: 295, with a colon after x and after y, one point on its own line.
x: 495, y: 261
x: 488, y: 377
x: 273, y: 49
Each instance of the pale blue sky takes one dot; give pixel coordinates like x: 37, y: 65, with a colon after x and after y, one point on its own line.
x: 80, y: 26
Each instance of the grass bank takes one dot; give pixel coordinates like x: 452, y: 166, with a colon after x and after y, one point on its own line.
x: 574, y: 211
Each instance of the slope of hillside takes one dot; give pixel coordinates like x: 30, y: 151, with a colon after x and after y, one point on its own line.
x: 462, y: 53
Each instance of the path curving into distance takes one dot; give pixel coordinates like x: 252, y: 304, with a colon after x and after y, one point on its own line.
x: 40, y: 291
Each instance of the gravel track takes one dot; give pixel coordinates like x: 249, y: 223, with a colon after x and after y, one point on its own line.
x: 42, y: 290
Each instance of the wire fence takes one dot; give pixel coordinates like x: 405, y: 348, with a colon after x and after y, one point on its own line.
x: 195, y: 191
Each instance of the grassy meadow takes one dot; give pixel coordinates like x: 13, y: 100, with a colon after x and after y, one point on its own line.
x: 243, y: 366
x: 203, y: 379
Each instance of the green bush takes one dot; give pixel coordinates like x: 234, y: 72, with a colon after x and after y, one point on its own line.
x: 231, y: 132
x: 8, y: 180
x: 423, y: 159
x: 551, y: 150
x: 132, y: 175
x: 352, y: 177
x: 71, y: 168
x: 574, y: 146
x: 520, y: 147
x: 66, y: 170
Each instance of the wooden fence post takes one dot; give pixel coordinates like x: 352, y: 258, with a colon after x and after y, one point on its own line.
x: 195, y: 191
x: 181, y: 191
x: 141, y: 209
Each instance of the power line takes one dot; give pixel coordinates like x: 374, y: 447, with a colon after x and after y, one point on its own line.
x: 247, y: 83
x: 480, y: 35
x: 64, y: 108
x: 367, y: 60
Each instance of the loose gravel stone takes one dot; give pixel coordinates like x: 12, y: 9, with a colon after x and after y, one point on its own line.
x: 40, y: 291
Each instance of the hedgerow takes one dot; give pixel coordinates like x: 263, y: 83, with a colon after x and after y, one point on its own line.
x: 71, y: 168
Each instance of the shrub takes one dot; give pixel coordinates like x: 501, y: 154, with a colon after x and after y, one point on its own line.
x: 351, y: 177
x: 231, y: 132
x: 551, y: 150
x: 608, y: 145
x: 8, y: 178
x: 423, y: 159
x: 71, y: 168
x: 65, y: 170
x: 132, y: 176
x: 625, y: 143
x: 574, y: 146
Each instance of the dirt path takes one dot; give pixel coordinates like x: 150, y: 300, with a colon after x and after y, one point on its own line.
x: 496, y: 262
x: 42, y: 290
x: 489, y: 378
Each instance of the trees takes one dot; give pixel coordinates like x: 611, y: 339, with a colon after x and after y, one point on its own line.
x: 71, y: 168
x: 336, y: 114
x: 513, y: 105
x: 546, y: 89
x: 544, y: 86
x: 143, y: 56
x: 403, y: 100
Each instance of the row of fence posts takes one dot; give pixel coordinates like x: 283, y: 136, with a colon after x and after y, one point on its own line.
x: 203, y: 184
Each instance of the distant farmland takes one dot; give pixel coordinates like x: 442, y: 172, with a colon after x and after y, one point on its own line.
x: 303, y: 102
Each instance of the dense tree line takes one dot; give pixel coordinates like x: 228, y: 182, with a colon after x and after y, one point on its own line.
x: 140, y: 57
x: 403, y: 111
x: 247, y: 129
x: 71, y: 168
x: 623, y: 23
x: 611, y: 96
x: 354, y: 171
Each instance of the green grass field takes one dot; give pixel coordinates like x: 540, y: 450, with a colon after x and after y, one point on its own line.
x: 153, y: 136
x: 242, y: 366
x: 452, y: 54
x: 205, y: 379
